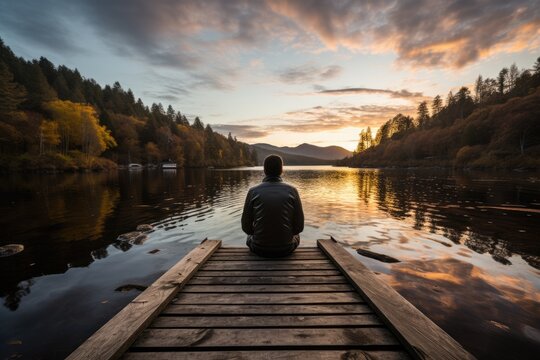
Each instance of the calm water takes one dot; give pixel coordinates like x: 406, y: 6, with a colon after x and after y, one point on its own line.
x: 468, y: 245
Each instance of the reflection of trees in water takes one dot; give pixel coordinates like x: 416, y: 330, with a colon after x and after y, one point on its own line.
x: 100, y: 254
x: 69, y: 220
x: 447, y: 205
x: 13, y: 298
x: 484, y: 244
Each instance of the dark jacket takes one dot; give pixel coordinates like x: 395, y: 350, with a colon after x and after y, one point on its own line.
x: 273, y: 214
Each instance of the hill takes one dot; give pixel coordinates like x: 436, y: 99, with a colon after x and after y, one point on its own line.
x: 304, y: 154
x: 52, y: 118
x: 289, y: 159
x: 497, y: 128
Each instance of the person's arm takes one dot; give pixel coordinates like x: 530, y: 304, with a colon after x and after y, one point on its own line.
x: 247, y: 215
x: 298, y: 215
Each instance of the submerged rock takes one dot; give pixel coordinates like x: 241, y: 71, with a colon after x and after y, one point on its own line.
x: 10, y: 249
x: 377, y: 256
x: 134, y: 237
x: 129, y: 287
x: 145, y: 227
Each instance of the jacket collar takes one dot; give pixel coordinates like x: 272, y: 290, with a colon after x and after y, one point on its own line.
x: 272, y: 179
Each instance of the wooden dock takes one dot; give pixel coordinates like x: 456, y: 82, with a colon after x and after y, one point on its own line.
x: 226, y: 303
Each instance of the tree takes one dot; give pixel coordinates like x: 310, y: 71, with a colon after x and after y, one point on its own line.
x: 513, y: 74
x: 501, y: 81
x: 198, y: 124
x: 479, y: 89
x: 153, y: 155
x: 423, y: 114
x: 450, y: 99
x: 366, y: 140
x: 79, y: 127
x: 436, y: 106
x: 48, y: 135
x: 125, y: 130
x: 39, y: 90
x: 171, y: 113
x: 11, y: 93
x: 536, y: 66
x: 464, y: 101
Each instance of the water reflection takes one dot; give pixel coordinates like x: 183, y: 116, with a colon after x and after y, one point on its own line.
x: 464, y: 241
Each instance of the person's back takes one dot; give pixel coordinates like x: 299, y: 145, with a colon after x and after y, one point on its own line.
x: 273, y: 215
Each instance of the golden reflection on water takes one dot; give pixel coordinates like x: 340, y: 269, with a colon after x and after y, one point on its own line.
x: 475, y: 279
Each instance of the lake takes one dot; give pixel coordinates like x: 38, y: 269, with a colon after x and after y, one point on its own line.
x: 467, y: 242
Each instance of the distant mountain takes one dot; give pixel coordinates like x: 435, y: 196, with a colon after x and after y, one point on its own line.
x: 312, y: 151
x: 305, y: 154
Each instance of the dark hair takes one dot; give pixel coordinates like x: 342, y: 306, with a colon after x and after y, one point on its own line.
x: 273, y: 165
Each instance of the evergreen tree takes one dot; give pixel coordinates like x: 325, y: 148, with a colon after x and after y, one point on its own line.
x: 501, y: 81
x: 38, y: 88
x: 436, y: 106
x: 479, y: 89
x: 423, y: 114
x: 198, y: 124
x: 171, y: 113
x: 536, y: 66
x: 11, y: 93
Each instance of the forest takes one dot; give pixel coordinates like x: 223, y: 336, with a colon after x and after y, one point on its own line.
x: 495, y: 127
x: 53, y: 119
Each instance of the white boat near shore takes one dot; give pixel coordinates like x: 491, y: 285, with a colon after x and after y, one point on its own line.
x: 169, y: 165
x: 135, y: 166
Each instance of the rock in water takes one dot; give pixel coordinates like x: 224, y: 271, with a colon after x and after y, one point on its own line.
x: 10, y: 249
x: 145, y: 227
x: 139, y: 240
x: 130, y: 287
x: 377, y: 256
x: 134, y: 237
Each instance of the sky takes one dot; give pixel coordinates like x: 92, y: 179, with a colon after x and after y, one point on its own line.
x: 276, y: 71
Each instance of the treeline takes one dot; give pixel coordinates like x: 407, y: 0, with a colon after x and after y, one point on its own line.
x: 496, y: 127
x: 53, y: 118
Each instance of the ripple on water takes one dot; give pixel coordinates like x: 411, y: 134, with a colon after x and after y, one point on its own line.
x: 463, y: 241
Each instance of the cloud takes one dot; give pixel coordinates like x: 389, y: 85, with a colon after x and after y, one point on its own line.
x: 41, y: 25
x: 317, y: 119
x: 242, y: 131
x: 191, y: 34
x: 423, y: 33
x: 405, y: 94
x: 326, y: 118
x: 308, y: 74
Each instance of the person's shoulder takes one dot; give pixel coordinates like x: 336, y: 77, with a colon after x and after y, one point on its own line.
x: 289, y: 186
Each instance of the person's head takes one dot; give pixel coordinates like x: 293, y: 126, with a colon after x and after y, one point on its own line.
x: 273, y: 165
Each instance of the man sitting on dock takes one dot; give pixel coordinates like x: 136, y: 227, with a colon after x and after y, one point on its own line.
x: 273, y: 217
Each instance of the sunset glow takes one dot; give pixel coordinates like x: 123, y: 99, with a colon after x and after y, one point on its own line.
x: 282, y: 72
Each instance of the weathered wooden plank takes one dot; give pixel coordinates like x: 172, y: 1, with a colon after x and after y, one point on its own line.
x: 250, y: 309
x: 243, y: 263
x: 261, y: 321
x: 265, y: 280
x: 279, y: 288
x: 244, y: 257
x: 266, y: 267
x: 274, y: 273
x: 270, y: 298
x: 272, y: 355
x: 209, y: 338
x: 420, y: 335
x: 246, y: 250
x: 113, y: 338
